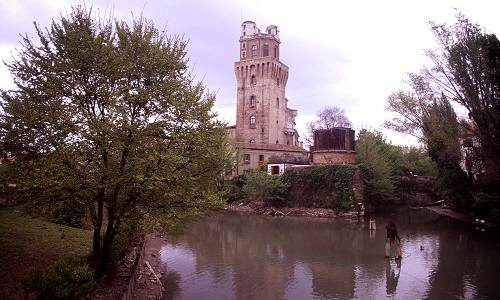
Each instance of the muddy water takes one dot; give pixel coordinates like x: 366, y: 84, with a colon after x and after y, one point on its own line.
x: 253, y: 257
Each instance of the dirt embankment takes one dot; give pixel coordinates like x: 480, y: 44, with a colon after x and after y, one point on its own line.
x: 137, y: 275
x: 259, y: 208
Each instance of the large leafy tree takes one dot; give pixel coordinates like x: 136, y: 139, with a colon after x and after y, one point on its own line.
x: 441, y: 132
x: 466, y: 68
x: 105, y: 115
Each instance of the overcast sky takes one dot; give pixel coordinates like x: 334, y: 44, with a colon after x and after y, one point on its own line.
x: 350, y: 54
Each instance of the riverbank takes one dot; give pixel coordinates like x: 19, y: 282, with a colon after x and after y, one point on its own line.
x: 27, y: 243
x: 460, y: 216
x: 259, y: 208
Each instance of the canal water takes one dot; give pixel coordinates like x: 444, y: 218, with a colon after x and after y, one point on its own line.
x: 231, y: 256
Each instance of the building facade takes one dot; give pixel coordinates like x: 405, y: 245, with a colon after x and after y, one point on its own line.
x: 265, y: 125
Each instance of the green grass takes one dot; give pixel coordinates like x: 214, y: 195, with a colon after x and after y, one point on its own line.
x: 26, y: 243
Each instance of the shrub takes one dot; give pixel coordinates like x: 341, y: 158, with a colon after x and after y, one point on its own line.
x: 323, y: 186
x: 69, y: 278
x: 263, y: 187
x: 486, y: 205
x: 232, y: 189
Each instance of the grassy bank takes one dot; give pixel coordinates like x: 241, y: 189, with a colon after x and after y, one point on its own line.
x: 26, y: 243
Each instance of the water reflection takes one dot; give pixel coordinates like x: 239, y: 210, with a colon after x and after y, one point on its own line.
x: 252, y: 257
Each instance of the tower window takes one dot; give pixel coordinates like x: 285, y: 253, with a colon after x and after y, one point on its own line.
x: 243, y: 54
x: 252, y: 120
x: 275, y: 52
x: 252, y: 101
x: 253, y: 79
x: 265, y: 50
x: 243, y: 46
x: 277, y: 142
x: 278, y: 81
x: 254, y: 51
x: 277, y: 102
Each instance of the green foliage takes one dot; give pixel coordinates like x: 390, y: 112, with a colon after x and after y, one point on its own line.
x: 323, y: 186
x: 263, y: 187
x: 487, y: 205
x: 442, y: 135
x: 416, y: 161
x: 378, y: 161
x: 69, y: 278
x: 468, y: 72
x: 233, y: 189
x: 107, y: 115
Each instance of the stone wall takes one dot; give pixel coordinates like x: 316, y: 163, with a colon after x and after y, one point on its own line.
x: 328, y: 157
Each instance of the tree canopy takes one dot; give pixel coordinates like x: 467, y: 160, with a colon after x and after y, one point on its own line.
x: 106, y: 115
x: 327, y: 118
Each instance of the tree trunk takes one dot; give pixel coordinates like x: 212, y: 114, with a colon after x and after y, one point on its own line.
x: 96, y: 241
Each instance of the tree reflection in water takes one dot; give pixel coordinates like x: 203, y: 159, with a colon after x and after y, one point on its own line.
x: 253, y: 257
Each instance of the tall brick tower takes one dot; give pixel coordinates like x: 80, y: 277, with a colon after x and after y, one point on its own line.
x: 265, y: 126
x: 262, y: 113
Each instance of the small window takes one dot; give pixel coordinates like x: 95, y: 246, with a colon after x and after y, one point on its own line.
x: 252, y: 120
x: 277, y: 102
x: 252, y: 101
x: 265, y: 50
x: 254, y: 51
x: 253, y: 79
x: 246, y: 159
x: 275, y: 52
x: 244, y: 33
x: 243, y: 54
x: 277, y: 81
x: 262, y: 130
x: 252, y: 141
x: 261, y: 157
x: 275, y: 170
x: 243, y: 46
x: 277, y: 142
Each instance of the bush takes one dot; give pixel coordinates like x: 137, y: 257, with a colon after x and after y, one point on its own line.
x: 69, y: 278
x: 378, y: 162
x: 487, y: 205
x: 263, y: 187
x: 232, y: 189
x: 57, y: 210
x: 323, y: 186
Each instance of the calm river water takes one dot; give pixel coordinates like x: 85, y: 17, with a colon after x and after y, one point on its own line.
x: 232, y: 256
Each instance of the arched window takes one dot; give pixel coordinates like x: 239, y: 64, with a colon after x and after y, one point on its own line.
x: 252, y: 101
x: 254, y: 51
x: 243, y: 54
x: 252, y: 120
x: 243, y: 46
x: 265, y: 50
x: 275, y: 52
x: 253, y: 79
x: 277, y: 102
x: 277, y: 81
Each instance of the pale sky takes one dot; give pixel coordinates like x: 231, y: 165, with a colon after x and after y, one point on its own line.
x: 350, y: 54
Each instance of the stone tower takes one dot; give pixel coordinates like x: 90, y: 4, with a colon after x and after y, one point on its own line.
x: 262, y: 113
x: 265, y: 126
